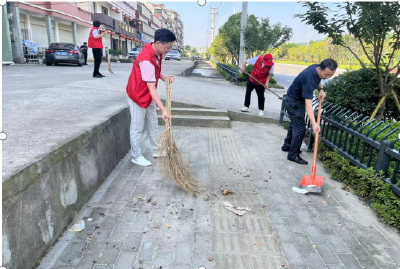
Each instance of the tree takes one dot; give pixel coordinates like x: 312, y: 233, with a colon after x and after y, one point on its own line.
x: 188, y: 47
x: 373, y: 24
x: 218, y: 49
x: 230, y: 34
x: 282, y: 51
x: 263, y: 37
x: 194, y: 51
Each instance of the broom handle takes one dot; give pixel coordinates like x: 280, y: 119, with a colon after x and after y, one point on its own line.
x: 261, y: 83
x: 108, y: 52
x: 168, y: 104
x: 316, y: 140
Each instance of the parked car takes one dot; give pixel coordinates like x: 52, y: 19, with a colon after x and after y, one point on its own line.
x: 64, y: 53
x: 196, y: 57
x: 173, y: 54
x: 134, y: 53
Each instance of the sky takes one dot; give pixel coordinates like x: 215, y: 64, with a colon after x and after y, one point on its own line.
x: 197, y: 20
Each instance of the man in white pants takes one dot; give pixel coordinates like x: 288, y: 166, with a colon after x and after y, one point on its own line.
x: 143, y: 96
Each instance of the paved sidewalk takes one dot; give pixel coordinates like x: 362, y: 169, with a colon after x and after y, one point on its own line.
x: 282, y: 230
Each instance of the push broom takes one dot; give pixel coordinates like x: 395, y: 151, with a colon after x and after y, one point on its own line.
x: 173, y: 164
x: 313, y: 183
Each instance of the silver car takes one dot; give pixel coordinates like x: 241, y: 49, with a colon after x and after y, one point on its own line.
x: 174, y: 55
x: 134, y: 53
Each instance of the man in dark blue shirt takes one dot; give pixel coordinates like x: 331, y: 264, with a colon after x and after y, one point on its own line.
x: 299, y: 100
x: 84, y: 49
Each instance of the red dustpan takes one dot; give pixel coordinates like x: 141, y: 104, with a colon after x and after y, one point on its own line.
x: 313, y: 183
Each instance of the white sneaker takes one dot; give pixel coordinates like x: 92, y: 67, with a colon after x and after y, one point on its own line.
x: 260, y: 113
x: 245, y: 109
x: 141, y: 161
x: 156, y: 154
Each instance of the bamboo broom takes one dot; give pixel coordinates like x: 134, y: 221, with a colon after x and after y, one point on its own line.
x: 174, y: 165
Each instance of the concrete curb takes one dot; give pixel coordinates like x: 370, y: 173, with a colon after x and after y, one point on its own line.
x: 40, y: 201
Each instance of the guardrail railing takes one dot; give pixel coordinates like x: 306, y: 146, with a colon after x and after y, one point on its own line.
x: 232, y: 72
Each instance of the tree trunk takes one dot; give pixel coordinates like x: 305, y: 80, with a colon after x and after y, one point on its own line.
x: 379, y: 114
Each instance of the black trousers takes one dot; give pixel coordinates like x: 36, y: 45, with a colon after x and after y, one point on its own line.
x: 297, y: 127
x: 85, y: 56
x: 97, y: 60
x: 260, y: 90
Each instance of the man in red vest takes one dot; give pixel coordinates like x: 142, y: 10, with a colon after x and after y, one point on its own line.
x: 96, y: 43
x: 263, y: 69
x: 143, y: 96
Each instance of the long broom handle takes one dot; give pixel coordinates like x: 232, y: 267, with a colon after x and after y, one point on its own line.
x: 316, y: 136
x: 108, y: 52
x: 262, y: 84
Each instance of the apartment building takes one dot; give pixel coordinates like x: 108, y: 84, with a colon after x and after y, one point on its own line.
x: 132, y: 24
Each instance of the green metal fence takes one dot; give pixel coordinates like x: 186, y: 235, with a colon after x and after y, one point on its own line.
x: 356, y: 139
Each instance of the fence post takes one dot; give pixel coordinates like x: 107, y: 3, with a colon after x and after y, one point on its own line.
x: 282, y: 109
x: 383, y: 158
x: 310, y: 143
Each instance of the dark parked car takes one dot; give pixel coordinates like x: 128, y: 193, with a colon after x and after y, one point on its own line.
x: 64, y: 53
x: 134, y: 53
x: 196, y: 57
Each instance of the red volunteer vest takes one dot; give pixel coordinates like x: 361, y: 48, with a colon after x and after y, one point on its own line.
x: 259, y: 72
x: 137, y: 89
x: 93, y: 42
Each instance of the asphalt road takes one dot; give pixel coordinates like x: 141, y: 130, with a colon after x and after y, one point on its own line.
x: 286, y: 73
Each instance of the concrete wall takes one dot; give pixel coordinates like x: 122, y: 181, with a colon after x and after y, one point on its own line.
x: 82, y: 35
x: 40, y: 201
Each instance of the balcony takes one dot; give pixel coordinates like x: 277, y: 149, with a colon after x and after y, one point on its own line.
x: 103, y: 19
x: 144, y: 11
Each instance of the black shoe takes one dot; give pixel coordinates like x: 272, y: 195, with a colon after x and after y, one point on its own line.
x: 101, y: 75
x: 287, y: 149
x: 298, y: 160
x: 97, y: 76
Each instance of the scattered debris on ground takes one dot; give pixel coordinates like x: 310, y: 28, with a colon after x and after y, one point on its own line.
x: 237, y: 210
x: 302, y: 191
x: 79, y: 226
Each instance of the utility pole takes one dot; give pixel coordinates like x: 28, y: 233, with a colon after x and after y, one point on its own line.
x: 213, y: 12
x: 243, y: 23
x: 208, y: 38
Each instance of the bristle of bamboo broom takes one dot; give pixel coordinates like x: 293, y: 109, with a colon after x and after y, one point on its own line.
x: 174, y: 165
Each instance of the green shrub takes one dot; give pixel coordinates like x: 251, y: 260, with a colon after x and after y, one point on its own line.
x: 358, y: 91
x: 116, y: 52
x: 365, y: 183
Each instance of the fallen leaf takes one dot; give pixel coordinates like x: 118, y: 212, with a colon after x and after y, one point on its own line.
x: 313, y: 245
x: 157, y: 226
x: 102, y: 214
x: 283, y: 265
x: 147, y: 211
x: 226, y: 192
x: 210, y: 259
x: 257, y: 244
x: 166, y: 224
x: 324, y: 202
x: 149, y: 200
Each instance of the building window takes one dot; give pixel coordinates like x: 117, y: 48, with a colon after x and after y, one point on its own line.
x: 104, y: 10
